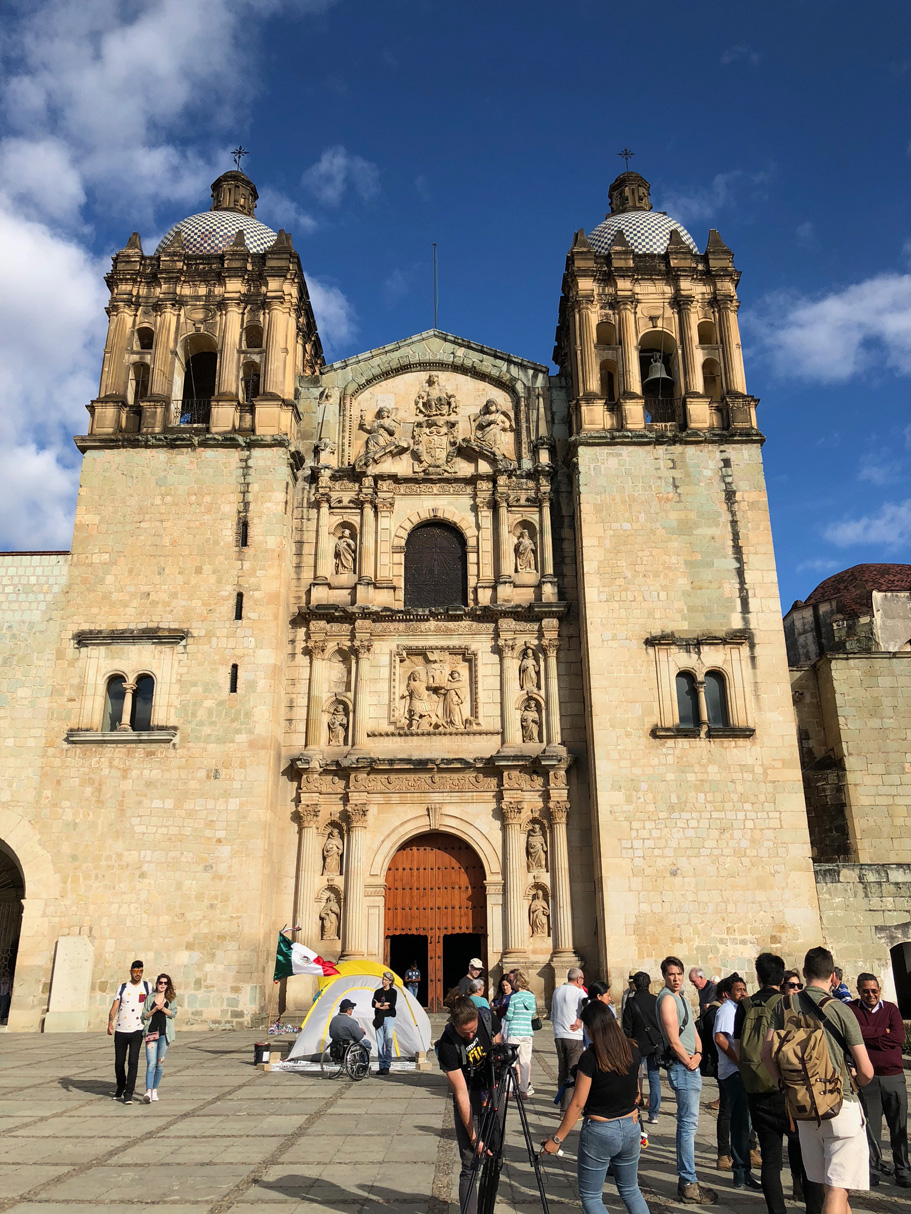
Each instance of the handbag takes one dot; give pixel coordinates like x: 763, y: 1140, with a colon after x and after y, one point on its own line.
x: 152, y: 1037
x: 537, y: 1023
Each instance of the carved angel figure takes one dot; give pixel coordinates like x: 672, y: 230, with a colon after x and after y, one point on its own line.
x: 539, y: 915
x: 536, y: 849
x: 432, y: 401
x: 329, y: 918
x: 345, y: 552
x: 338, y: 724
x: 382, y: 438
x: 419, y: 711
x: 528, y: 670
x: 526, y: 557
x: 451, y: 713
x: 332, y: 853
x: 492, y: 428
x: 531, y: 722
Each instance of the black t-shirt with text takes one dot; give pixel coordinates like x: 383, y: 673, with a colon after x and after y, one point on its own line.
x: 471, y: 1057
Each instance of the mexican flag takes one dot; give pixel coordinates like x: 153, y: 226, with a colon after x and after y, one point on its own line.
x: 291, y: 959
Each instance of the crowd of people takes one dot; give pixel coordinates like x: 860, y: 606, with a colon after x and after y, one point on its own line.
x: 800, y: 1066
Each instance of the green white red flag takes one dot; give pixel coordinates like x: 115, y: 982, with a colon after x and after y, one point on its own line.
x: 291, y: 959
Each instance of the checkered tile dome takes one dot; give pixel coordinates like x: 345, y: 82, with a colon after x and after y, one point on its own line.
x: 647, y: 232
x: 214, y: 231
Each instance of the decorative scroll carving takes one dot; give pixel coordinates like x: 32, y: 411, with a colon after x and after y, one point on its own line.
x: 332, y: 853
x: 329, y: 917
x: 529, y: 670
x: 435, y: 815
x: 539, y: 912
x: 536, y: 849
x: 437, y: 689
x: 531, y: 721
x: 526, y: 552
x: 337, y: 724
x: 435, y: 435
x: 437, y: 782
x: 345, y: 550
x: 382, y: 438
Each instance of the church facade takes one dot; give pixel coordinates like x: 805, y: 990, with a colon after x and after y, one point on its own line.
x: 427, y: 653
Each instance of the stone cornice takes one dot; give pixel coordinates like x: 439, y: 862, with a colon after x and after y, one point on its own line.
x: 488, y: 613
x: 129, y: 636
x: 170, y: 440
x: 122, y: 737
x: 645, y: 438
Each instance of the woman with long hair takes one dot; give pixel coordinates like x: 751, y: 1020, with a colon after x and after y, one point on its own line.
x: 158, y: 1014
x: 500, y: 1001
x: 606, y: 1095
x: 522, y: 1009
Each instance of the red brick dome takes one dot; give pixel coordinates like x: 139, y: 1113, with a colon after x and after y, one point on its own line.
x: 853, y: 588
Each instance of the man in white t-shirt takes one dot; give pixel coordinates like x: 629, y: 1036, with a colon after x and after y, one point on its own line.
x: 564, y: 1016
x: 125, y: 1026
x: 730, y: 991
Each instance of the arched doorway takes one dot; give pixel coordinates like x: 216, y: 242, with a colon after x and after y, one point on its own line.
x: 12, y: 891
x: 436, y: 911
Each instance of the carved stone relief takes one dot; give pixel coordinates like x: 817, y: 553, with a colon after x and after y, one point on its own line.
x: 539, y: 912
x: 434, y: 690
x: 526, y: 552
x: 536, y: 849
x: 345, y: 549
x: 383, y: 440
x: 531, y: 721
x: 492, y: 433
x: 337, y: 724
x: 332, y: 853
x: 329, y: 916
x: 435, y: 438
x: 529, y: 670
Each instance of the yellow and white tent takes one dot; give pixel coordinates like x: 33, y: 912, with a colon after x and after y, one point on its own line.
x: 412, y: 1026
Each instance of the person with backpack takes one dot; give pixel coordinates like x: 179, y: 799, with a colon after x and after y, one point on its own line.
x: 463, y: 1052
x: 812, y: 1044
x: 640, y: 1021
x: 766, y: 1102
x: 125, y: 1026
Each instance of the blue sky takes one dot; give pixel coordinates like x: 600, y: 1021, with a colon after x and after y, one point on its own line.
x: 492, y: 129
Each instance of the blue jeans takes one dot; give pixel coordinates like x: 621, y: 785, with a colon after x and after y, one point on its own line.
x: 740, y: 1123
x: 412, y: 988
x: 650, y: 1066
x: 605, y: 1143
x: 155, y: 1052
x: 384, y: 1042
x: 686, y: 1086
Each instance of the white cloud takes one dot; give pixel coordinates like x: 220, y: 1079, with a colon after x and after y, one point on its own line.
x: 334, y: 314
x: 889, y: 528
x: 806, y: 233
x: 834, y: 337
x: 337, y: 170
x: 725, y: 190
x: 41, y: 179
x: 740, y: 53
x: 279, y: 211
x: 817, y: 566
x: 879, y: 470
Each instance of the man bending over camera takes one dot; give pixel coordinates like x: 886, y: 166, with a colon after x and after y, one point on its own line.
x: 464, y: 1054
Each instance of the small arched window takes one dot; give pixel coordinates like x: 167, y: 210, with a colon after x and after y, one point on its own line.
x: 711, y: 379
x: 716, y: 700
x: 141, y: 713
x: 606, y: 334
x: 139, y: 380
x: 436, y: 567
x: 113, y: 704
x: 145, y: 337
x: 687, y: 701
x: 609, y: 379
x: 250, y: 376
x: 253, y: 337
x: 706, y: 333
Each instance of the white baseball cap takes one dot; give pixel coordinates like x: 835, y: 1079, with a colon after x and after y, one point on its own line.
x: 476, y: 964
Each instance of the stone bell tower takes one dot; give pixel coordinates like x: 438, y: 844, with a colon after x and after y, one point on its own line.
x: 694, y: 771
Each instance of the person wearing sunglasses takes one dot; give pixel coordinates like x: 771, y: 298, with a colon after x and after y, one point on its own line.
x: 791, y: 983
x: 158, y: 1019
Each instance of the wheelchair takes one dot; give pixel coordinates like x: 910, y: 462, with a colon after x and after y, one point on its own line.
x: 349, y: 1057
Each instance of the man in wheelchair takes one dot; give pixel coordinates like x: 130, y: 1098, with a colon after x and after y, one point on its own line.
x: 343, y: 1029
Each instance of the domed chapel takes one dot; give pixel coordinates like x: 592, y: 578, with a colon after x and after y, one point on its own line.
x: 428, y: 653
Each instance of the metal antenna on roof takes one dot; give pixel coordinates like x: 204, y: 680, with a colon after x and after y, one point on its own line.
x: 435, y: 281
x: 626, y: 154
x: 239, y: 153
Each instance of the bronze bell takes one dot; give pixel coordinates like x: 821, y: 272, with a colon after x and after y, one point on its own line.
x: 658, y: 382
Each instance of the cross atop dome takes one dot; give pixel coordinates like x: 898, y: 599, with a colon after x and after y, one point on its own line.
x: 629, y: 192
x: 234, y: 191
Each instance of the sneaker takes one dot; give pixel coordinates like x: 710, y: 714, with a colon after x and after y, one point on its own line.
x: 128, y: 1100
x: 747, y: 1182
x: 696, y: 1194
x: 117, y: 1096
x: 147, y: 1099
x: 714, y: 1104
x: 154, y: 1093
x: 725, y: 1163
x: 531, y: 1091
x: 652, y: 1120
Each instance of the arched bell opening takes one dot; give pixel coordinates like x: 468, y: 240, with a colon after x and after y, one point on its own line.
x: 197, y: 371
x: 139, y: 383
x: 711, y: 380
x: 705, y: 333
x: 609, y: 380
x: 145, y: 337
x: 660, y: 378
x: 12, y: 893
x: 606, y: 333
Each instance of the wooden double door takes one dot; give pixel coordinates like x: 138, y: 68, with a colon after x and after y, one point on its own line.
x: 436, y: 912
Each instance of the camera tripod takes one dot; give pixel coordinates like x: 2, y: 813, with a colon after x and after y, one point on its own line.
x: 488, y: 1163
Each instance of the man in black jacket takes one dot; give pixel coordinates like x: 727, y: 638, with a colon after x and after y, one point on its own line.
x: 640, y: 1021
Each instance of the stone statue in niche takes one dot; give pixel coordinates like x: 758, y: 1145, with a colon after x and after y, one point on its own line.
x: 434, y: 440
x: 451, y: 702
x: 345, y: 551
x: 332, y: 853
x: 536, y: 849
x: 526, y: 556
x: 329, y: 918
x: 539, y: 914
x: 531, y: 722
x: 528, y: 670
x: 338, y: 724
x: 382, y: 438
x: 492, y: 429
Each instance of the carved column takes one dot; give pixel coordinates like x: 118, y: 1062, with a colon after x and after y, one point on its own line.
x: 730, y: 345
x: 317, y: 646
x: 354, y: 931
x: 274, y: 377
x: 323, y: 546
x: 551, y: 644
x: 692, y: 372
x: 127, y: 712
x: 163, y: 355
x: 384, y: 507
x: 505, y: 562
x: 546, y: 546
x: 561, y: 898
x: 508, y: 687
x: 114, y: 369
x: 591, y: 379
x: 515, y: 871
x: 230, y: 342
x: 703, y: 707
x: 363, y: 647
x: 307, y: 821
x: 484, y: 506
x: 632, y: 379
x: 367, y: 566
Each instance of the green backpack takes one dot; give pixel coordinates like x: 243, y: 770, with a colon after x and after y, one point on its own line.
x: 756, y: 1023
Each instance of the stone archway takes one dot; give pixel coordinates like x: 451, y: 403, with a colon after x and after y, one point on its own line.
x: 436, y: 910
x: 12, y: 893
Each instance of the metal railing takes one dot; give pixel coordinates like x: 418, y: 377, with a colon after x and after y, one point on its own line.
x: 663, y: 410
x: 193, y: 411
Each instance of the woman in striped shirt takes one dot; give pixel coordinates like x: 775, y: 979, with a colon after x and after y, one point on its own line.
x: 517, y: 1024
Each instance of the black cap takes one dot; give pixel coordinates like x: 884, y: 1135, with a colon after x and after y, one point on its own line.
x: 345, y: 1004
x: 137, y: 965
